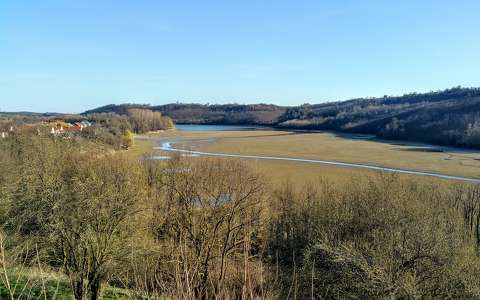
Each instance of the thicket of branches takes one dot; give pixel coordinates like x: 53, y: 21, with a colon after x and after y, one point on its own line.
x: 144, y: 120
x: 214, y: 229
x: 117, y: 130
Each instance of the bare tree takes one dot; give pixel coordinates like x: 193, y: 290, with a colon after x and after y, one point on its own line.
x: 144, y: 120
x: 92, y: 221
x: 210, y: 211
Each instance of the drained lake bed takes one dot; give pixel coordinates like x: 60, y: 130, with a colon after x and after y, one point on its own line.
x: 325, y: 154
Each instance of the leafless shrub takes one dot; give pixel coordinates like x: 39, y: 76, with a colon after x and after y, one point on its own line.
x: 379, y: 237
x: 207, y: 220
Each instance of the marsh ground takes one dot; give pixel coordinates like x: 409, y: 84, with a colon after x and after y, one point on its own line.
x: 319, y: 145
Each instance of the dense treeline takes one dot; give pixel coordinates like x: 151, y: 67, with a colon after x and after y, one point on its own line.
x: 145, y: 120
x: 448, y: 117
x: 116, y: 130
x: 110, y: 129
x: 214, y: 229
x: 233, y: 114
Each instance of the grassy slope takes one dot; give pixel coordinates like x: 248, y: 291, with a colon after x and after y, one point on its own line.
x: 29, y: 286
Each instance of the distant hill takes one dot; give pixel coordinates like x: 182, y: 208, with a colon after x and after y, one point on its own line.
x: 29, y: 113
x: 121, y: 109
x: 260, y: 114
x: 449, y: 117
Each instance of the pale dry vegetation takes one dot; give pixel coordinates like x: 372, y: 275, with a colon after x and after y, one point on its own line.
x: 376, y: 237
x: 197, y: 228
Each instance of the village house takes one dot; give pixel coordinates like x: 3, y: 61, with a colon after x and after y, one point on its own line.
x: 60, y: 126
x: 86, y: 123
x: 76, y: 127
x: 57, y: 129
x: 4, y: 133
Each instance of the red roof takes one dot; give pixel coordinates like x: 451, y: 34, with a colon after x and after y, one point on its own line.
x: 73, y: 129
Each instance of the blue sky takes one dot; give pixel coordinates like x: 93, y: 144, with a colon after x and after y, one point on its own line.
x: 70, y: 55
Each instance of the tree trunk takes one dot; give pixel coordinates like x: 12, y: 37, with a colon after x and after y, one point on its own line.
x: 78, y: 289
x: 95, y: 287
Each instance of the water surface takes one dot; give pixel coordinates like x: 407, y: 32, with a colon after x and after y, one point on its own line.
x: 200, y: 127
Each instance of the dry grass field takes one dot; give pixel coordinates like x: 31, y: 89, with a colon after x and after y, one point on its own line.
x: 325, y: 146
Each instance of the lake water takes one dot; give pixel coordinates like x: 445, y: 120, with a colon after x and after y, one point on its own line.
x: 195, y: 127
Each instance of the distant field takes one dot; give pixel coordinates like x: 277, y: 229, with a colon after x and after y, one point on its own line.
x: 325, y: 146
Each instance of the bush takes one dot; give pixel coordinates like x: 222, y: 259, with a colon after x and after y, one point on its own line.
x: 376, y: 238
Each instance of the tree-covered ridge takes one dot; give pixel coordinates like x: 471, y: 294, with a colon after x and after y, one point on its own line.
x: 194, y: 113
x: 448, y: 117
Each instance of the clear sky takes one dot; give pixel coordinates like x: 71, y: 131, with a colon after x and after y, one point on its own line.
x: 72, y: 55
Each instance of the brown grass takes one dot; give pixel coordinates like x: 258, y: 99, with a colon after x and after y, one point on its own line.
x: 325, y: 146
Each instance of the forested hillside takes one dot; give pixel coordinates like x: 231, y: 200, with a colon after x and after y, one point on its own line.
x: 448, y: 117
x: 260, y: 114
